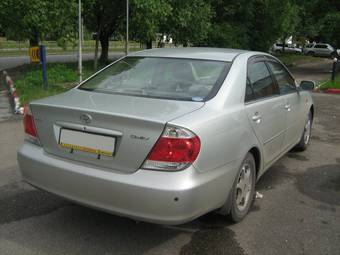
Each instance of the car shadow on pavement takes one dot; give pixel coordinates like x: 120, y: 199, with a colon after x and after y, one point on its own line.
x: 73, y: 229
x: 40, y: 222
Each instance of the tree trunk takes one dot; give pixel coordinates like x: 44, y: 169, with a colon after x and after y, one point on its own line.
x: 104, y: 56
x: 149, y: 44
x: 95, y: 66
x: 284, y: 44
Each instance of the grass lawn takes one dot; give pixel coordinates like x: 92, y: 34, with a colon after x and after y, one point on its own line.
x: 61, y: 77
x: 332, y: 84
x: 294, y: 59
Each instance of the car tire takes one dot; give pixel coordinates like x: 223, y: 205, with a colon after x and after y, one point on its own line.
x: 241, y: 196
x: 306, y: 134
x: 311, y: 53
x: 278, y: 51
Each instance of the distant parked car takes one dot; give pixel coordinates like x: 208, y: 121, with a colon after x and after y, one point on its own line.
x: 321, y: 50
x: 289, y: 48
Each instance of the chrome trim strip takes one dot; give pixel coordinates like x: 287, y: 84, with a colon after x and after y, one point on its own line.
x: 89, y: 129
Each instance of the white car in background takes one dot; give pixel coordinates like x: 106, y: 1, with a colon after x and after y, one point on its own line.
x: 289, y: 48
x: 321, y: 50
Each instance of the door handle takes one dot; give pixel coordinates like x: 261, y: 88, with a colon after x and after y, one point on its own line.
x: 288, y: 107
x: 256, y: 118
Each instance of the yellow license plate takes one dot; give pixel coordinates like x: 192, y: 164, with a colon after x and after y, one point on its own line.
x: 87, y: 142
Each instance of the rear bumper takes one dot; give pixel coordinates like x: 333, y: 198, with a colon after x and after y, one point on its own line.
x: 153, y: 196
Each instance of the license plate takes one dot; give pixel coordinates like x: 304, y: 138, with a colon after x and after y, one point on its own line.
x: 87, y: 142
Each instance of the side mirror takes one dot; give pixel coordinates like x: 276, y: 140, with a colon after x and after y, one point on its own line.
x: 307, y: 85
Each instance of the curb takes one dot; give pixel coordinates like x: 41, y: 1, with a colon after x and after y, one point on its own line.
x: 327, y: 91
x: 18, y: 109
x: 333, y: 91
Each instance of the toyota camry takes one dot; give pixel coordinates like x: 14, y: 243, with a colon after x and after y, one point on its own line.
x: 167, y: 135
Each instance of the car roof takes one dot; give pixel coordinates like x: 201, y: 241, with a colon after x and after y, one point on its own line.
x: 327, y: 44
x: 219, y: 54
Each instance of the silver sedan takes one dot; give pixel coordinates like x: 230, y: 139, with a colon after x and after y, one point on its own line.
x: 167, y: 135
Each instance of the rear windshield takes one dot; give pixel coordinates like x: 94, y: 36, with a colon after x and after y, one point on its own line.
x: 169, y: 78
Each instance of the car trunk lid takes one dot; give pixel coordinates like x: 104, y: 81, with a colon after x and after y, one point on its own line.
x: 135, y: 124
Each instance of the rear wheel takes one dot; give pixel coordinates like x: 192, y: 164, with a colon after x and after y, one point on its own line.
x: 306, y: 134
x: 242, y: 194
x: 310, y: 53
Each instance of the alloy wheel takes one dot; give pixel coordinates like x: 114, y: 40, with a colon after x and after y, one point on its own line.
x: 244, y: 186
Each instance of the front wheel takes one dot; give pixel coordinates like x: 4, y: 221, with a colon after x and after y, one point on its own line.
x: 306, y: 134
x: 242, y: 194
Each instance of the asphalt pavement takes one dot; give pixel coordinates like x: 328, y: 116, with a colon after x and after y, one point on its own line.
x: 298, y: 214
x: 318, y: 71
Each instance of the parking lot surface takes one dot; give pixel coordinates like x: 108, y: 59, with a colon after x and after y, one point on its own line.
x: 298, y: 214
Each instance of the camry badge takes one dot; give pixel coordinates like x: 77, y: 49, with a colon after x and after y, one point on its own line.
x: 140, y: 137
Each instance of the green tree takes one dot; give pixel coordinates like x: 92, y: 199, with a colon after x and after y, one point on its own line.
x: 36, y: 20
x: 103, y: 17
x: 230, y: 24
x: 147, y: 19
x: 266, y: 23
x: 289, y: 21
x: 330, y: 28
x: 320, y: 21
x: 190, y: 21
x: 247, y: 24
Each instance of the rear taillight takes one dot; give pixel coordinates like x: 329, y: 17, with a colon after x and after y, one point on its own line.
x: 29, y: 126
x: 176, y: 149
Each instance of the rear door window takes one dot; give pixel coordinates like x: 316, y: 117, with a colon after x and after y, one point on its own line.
x: 260, y: 81
x: 284, y: 80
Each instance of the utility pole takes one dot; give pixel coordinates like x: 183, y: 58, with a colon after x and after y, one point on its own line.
x: 127, y: 28
x: 80, y: 37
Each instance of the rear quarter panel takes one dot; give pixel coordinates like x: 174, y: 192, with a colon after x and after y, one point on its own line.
x: 225, y: 136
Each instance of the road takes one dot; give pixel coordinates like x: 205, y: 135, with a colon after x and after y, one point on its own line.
x: 298, y: 214
x: 9, y: 62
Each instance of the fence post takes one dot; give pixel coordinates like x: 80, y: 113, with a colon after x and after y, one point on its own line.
x: 43, y: 62
x: 335, y: 60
